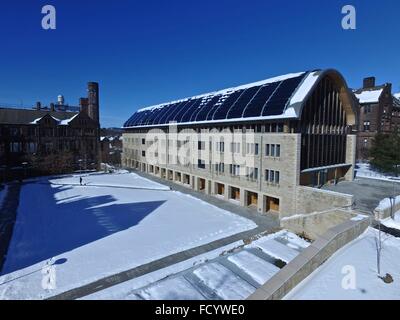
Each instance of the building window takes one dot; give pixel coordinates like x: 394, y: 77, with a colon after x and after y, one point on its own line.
x: 220, y: 167
x: 143, y: 141
x: 201, y: 164
x: 201, y: 145
x: 143, y: 153
x: 272, y: 176
x: 220, y: 146
x: 273, y: 150
x: 252, y: 148
x: 252, y: 173
x: 235, y: 147
x: 234, y: 169
x: 367, y: 125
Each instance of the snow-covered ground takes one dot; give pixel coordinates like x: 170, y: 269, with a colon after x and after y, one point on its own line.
x: 232, y: 272
x: 365, y: 171
x: 358, y: 258
x: 392, y: 223
x: 89, y: 232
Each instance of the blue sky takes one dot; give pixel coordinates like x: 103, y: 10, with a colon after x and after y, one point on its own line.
x: 147, y: 52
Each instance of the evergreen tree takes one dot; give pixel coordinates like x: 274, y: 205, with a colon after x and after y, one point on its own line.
x: 385, y: 152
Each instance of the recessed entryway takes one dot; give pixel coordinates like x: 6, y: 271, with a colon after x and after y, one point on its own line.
x: 201, y: 184
x: 234, y: 193
x: 220, y: 189
x: 271, y: 204
x: 251, y: 199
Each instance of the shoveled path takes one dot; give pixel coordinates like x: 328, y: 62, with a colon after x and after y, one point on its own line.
x: 8, y: 213
x: 266, y: 224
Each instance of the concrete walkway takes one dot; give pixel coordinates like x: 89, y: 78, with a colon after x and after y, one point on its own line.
x: 367, y: 192
x: 266, y: 224
x: 8, y: 214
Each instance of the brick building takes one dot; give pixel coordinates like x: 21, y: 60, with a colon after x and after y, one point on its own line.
x: 379, y: 112
x: 57, y: 129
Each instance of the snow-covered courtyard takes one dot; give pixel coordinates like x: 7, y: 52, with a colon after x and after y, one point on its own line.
x: 351, y: 273
x: 114, y: 222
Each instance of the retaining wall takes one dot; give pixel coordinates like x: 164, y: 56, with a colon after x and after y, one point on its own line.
x: 309, y: 260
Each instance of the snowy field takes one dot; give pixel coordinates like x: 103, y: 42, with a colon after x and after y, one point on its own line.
x: 114, y: 223
x: 231, y: 272
x: 365, y: 171
x: 358, y: 256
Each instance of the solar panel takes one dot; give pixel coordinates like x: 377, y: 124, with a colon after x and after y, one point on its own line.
x: 202, y: 115
x: 186, y: 116
x: 221, y: 112
x: 171, y: 115
x: 182, y: 111
x: 237, y: 108
x: 254, y: 108
x: 279, y: 99
x: 167, y: 112
x: 268, y: 99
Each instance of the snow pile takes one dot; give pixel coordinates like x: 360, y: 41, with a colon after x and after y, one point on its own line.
x: 351, y: 273
x: 387, y: 203
x: 257, y: 268
x: 100, y: 231
x: 364, y: 170
x: 370, y: 96
x: 392, y: 223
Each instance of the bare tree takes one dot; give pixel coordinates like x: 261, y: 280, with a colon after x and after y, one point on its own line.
x: 378, y: 247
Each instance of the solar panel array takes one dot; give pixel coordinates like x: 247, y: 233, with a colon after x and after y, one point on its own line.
x: 268, y: 99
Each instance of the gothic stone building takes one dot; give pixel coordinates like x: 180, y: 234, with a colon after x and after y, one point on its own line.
x: 302, y: 137
x: 379, y: 112
x: 55, y: 129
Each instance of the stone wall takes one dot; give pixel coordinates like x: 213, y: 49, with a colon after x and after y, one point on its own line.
x: 314, y: 225
x: 310, y: 200
x: 309, y: 260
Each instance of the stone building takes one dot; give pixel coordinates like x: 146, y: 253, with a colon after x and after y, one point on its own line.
x: 41, y: 131
x: 379, y: 112
x: 265, y: 145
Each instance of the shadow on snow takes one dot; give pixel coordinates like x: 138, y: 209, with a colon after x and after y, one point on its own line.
x: 62, y: 227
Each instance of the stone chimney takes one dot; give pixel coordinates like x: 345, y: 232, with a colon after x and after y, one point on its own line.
x: 38, y: 105
x: 93, y: 101
x: 52, y: 107
x: 84, y: 104
x: 369, y: 82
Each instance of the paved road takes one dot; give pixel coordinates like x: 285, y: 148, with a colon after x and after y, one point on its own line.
x: 266, y: 224
x: 367, y: 192
x: 8, y: 215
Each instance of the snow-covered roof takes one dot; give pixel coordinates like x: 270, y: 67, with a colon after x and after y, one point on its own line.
x: 397, y: 95
x: 369, y: 96
x: 274, y: 98
x: 60, y: 122
x: 67, y: 121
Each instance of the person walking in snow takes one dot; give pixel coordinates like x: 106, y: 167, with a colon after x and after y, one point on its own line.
x: 80, y: 180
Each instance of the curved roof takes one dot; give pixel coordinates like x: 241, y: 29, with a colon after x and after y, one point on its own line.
x: 275, y: 98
